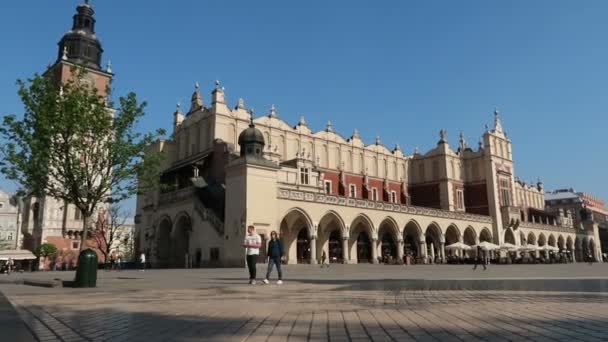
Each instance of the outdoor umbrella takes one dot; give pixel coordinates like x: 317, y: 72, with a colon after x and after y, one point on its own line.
x: 458, y: 245
x: 487, y: 246
x: 529, y: 248
x: 509, y: 247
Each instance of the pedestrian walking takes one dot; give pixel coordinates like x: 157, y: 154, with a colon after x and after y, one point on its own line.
x: 142, y: 261
x: 480, y: 258
x: 324, y: 262
x: 252, y: 244
x: 9, y: 265
x: 275, y: 253
x: 118, y: 263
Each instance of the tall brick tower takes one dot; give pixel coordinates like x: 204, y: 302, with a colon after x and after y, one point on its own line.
x: 46, y: 219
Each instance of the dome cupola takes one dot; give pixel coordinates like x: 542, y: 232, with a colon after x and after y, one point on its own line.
x: 80, y: 45
x: 251, y: 141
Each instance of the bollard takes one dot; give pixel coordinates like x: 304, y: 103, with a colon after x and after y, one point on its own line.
x: 86, y: 273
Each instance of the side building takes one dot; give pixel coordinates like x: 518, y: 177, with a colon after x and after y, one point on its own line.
x: 9, y: 221
x: 324, y: 192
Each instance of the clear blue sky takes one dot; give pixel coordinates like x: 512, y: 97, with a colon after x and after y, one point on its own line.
x: 398, y: 69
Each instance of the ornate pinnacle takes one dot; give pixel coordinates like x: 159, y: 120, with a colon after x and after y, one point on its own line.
x: 329, y: 127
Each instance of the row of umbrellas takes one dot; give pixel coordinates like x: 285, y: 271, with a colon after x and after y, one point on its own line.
x: 488, y: 246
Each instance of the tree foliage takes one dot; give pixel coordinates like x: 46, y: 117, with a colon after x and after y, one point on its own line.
x: 46, y: 250
x: 75, y: 145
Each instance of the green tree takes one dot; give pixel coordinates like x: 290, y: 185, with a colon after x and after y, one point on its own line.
x: 74, y: 145
x: 46, y: 250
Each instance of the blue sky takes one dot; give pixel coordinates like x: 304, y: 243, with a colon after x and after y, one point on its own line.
x: 398, y: 69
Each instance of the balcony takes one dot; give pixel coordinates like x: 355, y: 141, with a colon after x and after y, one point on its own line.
x: 176, y: 196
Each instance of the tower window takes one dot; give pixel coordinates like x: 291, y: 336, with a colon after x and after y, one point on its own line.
x: 393, y: 196
x: 505, y: 192
x: 374, y: 194
x: 459, y: 199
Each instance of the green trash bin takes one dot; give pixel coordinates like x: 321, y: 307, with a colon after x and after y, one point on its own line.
x: 86, y: 273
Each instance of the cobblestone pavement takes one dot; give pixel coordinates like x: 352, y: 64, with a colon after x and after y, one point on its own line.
x: 221, y: 308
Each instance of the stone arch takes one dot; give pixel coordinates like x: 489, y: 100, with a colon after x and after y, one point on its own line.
x: 433, y: 238
x: 509, y: 236
x: 412, y: 236
x: 485, y: 235
x: 578, y: 251
x: 522, y: 238
x: 552, y: 241
x: 531, y: 238
x: 180, y: 238
x: 331, y: 230
x: 469, y: 237
x: 561, y: 243
x: 360, y: 240
x: 163, y: 241
x: 542, y: 239
x: 293, y: 222
x: 388, y: 239
x: 452, y: 234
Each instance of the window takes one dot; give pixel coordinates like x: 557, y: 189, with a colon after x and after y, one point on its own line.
x: 328, y: 187
x: 10, y: 237
x: 77, y: 214
x: 304, y: 175
x: 505, y: 192
x: 374, y: 194
x: 459, y: 199
x: 75, y: 244
x: 393, y: 196
x: 352, y: 191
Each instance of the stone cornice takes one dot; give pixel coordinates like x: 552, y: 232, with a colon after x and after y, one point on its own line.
x: 373, y: 205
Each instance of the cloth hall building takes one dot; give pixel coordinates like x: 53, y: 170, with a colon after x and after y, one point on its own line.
x: 323, y: 192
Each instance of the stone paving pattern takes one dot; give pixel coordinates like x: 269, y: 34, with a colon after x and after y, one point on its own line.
x: 344, y: 303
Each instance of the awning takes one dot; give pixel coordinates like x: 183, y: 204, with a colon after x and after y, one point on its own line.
x: 21, y: 254
x: 458, y: 245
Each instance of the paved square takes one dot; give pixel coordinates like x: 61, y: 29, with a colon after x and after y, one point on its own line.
x: 343, y: 303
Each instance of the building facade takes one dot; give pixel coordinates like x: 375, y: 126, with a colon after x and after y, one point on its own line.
x: 9, y: 221
x: 46, y: 219
x: 587, y: 212
x: 327, y: 193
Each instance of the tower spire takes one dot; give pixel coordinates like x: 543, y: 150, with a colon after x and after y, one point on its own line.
x: 80, y: 45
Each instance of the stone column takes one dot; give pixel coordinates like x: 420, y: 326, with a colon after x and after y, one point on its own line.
x: 423, y: 252
x: 400, y: 250
x: 345, y: 258
x: 442, y: 252
x: 432, y: 252
x: 374, y: 251
x: 573, y: 252
x: 313, y: 250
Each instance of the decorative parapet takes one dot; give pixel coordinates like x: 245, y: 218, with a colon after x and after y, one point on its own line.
x: 176, y: 196
x: 373, y: 205
x: 531, y: 225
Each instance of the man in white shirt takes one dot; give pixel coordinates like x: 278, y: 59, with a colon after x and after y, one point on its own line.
x: 252, y: 244
x: 142, y: 260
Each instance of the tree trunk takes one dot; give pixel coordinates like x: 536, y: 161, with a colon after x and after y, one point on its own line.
x: 85, y: 230
x: 64, y: 222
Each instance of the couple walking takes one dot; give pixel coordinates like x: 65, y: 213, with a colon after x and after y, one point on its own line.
x: 252, y: 244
